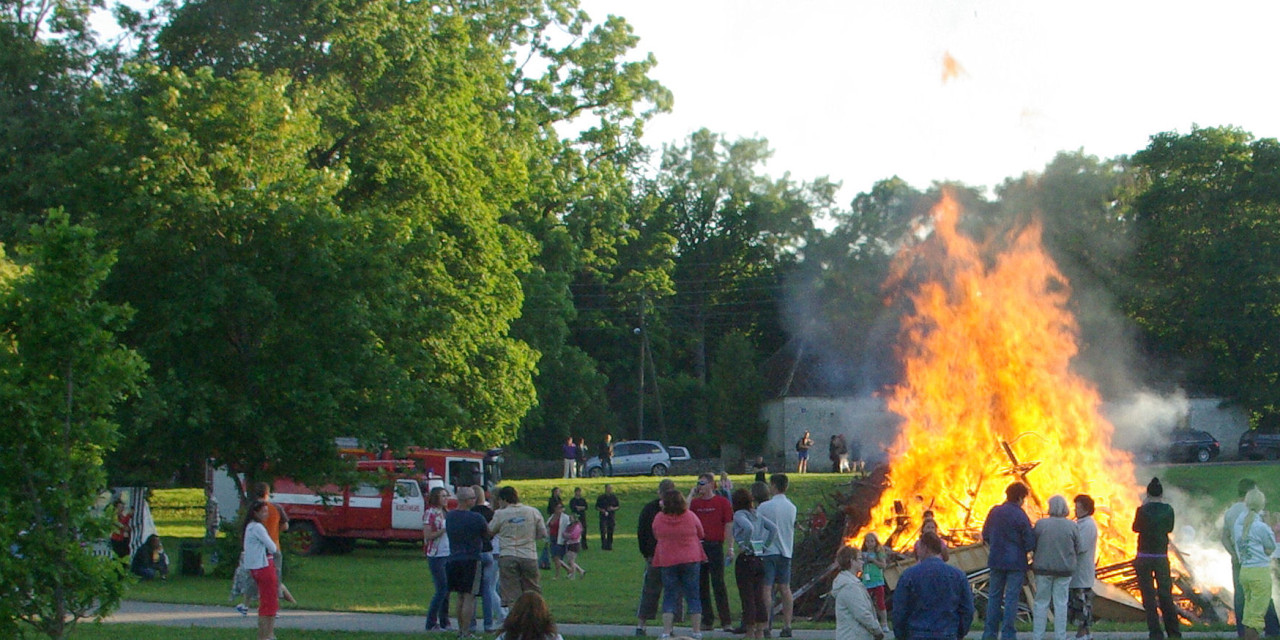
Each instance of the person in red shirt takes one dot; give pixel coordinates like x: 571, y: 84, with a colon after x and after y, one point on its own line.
x: 716, y: 514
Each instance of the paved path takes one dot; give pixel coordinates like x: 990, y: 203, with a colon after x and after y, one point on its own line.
x: 193, y: 615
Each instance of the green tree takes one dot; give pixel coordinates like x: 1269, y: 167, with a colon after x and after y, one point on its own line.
x: 62, y: 374
x: 737, y: 392
x: 1206, y: 215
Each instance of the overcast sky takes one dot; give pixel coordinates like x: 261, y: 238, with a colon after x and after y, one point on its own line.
x: 854, y: 89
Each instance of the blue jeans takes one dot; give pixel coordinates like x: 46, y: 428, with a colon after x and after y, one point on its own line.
x: 489, y: 587
x: 1004, y: 590
x: 438, y: 610
x: 681, y: 579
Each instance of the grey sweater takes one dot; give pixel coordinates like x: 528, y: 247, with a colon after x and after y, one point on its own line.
x: 1057, y: 545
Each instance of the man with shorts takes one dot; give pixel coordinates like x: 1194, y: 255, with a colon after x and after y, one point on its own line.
x: 518, y: 528
x: 467, y: 531
x: 777, y: 557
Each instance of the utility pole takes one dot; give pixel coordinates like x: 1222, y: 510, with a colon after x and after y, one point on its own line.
x: 644, y: 340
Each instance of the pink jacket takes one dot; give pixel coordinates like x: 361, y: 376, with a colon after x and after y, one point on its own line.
x: 679, y: 539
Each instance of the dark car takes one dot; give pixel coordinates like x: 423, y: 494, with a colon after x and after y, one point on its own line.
x: 1187, y: 445
x: 1258, y: 444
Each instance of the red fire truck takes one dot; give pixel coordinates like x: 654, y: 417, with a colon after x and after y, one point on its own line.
x: 386, y: 505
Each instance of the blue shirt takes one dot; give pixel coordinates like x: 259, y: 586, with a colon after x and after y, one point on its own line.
x: 932, y: 602
x: 1008, y: 532
x: 466, y: 531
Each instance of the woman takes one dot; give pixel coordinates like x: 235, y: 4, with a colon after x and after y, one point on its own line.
x: 529, y: 619
x: 678, y: 555
x: 1255, y: 542
x: 855, y: 615
x: 256, y: 557
x: 554, y: 500
x: 931, y: 526
x: 435, y: 544
x: 149, y: 561
x: 875, y: 558
x: 725, y: 486
x: 1053, y: 563
x: 751, y: 534
x: 557, y: 527
x: 573, y: 545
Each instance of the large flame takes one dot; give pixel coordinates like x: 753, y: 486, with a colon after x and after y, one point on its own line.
x: 988, y: 392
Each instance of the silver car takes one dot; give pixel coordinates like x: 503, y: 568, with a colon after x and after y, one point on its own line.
x: 638, y: 458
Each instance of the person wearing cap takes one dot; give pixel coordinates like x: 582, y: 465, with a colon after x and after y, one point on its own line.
x: 1153, y: 523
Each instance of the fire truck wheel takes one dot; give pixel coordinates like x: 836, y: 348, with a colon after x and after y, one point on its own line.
x: 659, y: 469
x: 305, y: 539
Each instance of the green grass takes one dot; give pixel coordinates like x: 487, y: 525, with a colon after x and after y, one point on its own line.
x: 90, y: 631
x: 394, y: 578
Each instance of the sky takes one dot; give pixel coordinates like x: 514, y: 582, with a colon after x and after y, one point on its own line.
x: 854, y: 89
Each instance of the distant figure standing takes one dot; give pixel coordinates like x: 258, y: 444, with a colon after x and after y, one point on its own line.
x: 580, y: 457
x: 933, y: 600
x: 1154, y: 522
x: 874, y: 559
x: 802, y: 452
x: 760, y: 469
x: 607, y: 505
x: 651, y: 587
x: 467, y: 531
x: 1007, y: 532
x: 606, y: 455
x: 569, y: 452
x: 715, y: 512
x: 678, y: 553
x: 1081, y: 606
x: 1054, y: 562
x: 578, y: 507
x: 855, y: 614
x: 120, y: 534
x: 256, y: 556
x: 435, y: 545
x: 725, y: 486
x: 1255, y: 543
x: 555, y: 499
x: 838, y: 452
x: 753, y: 535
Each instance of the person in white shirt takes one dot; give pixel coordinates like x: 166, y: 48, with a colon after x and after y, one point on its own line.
x: 777, y: 557
x: 258, y: 549
x: 855, y: 614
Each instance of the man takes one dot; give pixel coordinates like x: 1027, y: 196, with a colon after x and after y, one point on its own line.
x: 488, y: 565
x: 1081, y: 607
x: 580, y: 451
x: 1009, y: 536
x: 569, y: 452
x: 1154, y: 522
x: 760, y: 468
x: 1229, y: 520
x: 716, y: 514
x: 606, y: 455
x: 838, y: 452
x: 578, y: 507
x: 608, y: 506
x: 467, y: 531
x: 802, y: 452
x: 933, y: 600
x: 776, y: 557
x: 518, y: 528
x: 652, y: 587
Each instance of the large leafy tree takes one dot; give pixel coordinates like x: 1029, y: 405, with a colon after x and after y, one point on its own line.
x: 62, y: 373
x: 1207, y: 226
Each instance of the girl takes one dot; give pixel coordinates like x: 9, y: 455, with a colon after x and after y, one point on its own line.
x: 875, y: 559
x: 557, y: 527
x: 572, y: 545
x: 435, y: 544
x: 257, y: 552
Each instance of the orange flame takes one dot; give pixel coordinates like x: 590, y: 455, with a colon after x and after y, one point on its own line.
x: 951, y: 68
x: 988, y: 392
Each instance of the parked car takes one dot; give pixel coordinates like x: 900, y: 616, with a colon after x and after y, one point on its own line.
x: 637, y: 458
x: 1186, y: 445
x: 1260, y: 444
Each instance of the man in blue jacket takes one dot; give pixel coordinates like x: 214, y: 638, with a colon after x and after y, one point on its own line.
x: 933, y: 600
x: 1009, y: 537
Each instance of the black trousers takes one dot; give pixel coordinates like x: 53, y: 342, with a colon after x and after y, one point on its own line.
x: 712, y: 578
x: 1156, y: 584
x: 606, y: 532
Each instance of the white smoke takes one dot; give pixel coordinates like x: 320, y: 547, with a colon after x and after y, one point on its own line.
x: 1144, y: 420
x: 1198, y: 537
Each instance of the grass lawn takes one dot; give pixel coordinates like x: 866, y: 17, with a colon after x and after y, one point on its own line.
x: 148, y: 632
x: 394, y: 578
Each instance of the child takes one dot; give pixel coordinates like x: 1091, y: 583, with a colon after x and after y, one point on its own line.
x: 572, y: 545
x: 874, y: 560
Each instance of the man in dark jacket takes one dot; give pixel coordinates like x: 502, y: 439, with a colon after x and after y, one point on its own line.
x: 652, y: 588
x: 933, y: 600
x: 1154, y: 522
x: 1009, y: 537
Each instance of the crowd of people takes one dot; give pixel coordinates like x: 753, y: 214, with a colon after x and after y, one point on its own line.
x: 490, y: 554
x: 574, y: 455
